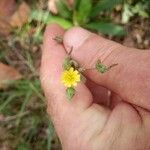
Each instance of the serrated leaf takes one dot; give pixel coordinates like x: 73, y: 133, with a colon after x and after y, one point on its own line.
x: 103, y: 5
x: 63, y: 9
x: 107, y: 28
x: 70, y: 92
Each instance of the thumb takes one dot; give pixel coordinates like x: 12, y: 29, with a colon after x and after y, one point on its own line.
x: 123, y: 79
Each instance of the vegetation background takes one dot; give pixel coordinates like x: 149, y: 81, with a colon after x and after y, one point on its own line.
x: 24, y: 124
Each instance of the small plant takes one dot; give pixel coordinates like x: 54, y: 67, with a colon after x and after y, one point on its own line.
x: 72, y: 72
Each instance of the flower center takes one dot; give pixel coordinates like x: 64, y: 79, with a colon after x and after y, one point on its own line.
x: 70, y: 77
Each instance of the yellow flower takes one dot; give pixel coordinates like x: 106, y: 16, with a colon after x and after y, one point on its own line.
x: 70, y: 77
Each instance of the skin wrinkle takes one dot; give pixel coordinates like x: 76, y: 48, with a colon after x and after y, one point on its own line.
x: 119, y: 128
x: 138, y: 113
x: 116, y: 136
x: 119, y: 84
x: 102, y: 130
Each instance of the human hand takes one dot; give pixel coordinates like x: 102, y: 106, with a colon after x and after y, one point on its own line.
x: 92, y: 120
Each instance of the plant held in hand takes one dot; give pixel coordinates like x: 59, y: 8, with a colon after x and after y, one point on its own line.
x: 72, y: 72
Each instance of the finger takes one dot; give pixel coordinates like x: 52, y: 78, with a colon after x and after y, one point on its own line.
x: 51, y: 68
x: 126, y: 79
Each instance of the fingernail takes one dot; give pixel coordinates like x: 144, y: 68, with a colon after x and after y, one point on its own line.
x: 75, y: 37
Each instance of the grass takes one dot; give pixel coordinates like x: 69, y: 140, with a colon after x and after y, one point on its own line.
x: 23, y: 105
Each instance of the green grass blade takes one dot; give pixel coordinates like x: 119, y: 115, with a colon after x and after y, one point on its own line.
x: 27, y: 97
x: 50, y: 132
x: 7, y: 101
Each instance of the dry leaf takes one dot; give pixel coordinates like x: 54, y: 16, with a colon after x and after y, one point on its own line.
x: 7, y: 8
x: 5, y: 27
x: 21, y: 15
x: 7, y: 73
x: 52, y: 6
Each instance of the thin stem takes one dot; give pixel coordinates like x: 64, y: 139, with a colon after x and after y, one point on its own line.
x: 11, y: 118
x: 69, y: 53
x: 88, y: 69
x: 113, y: 65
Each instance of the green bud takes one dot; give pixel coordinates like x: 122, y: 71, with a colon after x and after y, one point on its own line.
x: 101, y: 68
x: 67, y: 64
x: 70, y: 92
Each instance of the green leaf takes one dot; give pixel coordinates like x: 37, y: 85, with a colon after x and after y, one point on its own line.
x: 63, y: 9
x: 62, y: 22
x: 107, y: 28
x: 47, y: 18
x: 70, y: 92
x: 103, y: 5
x: 81, y: 14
